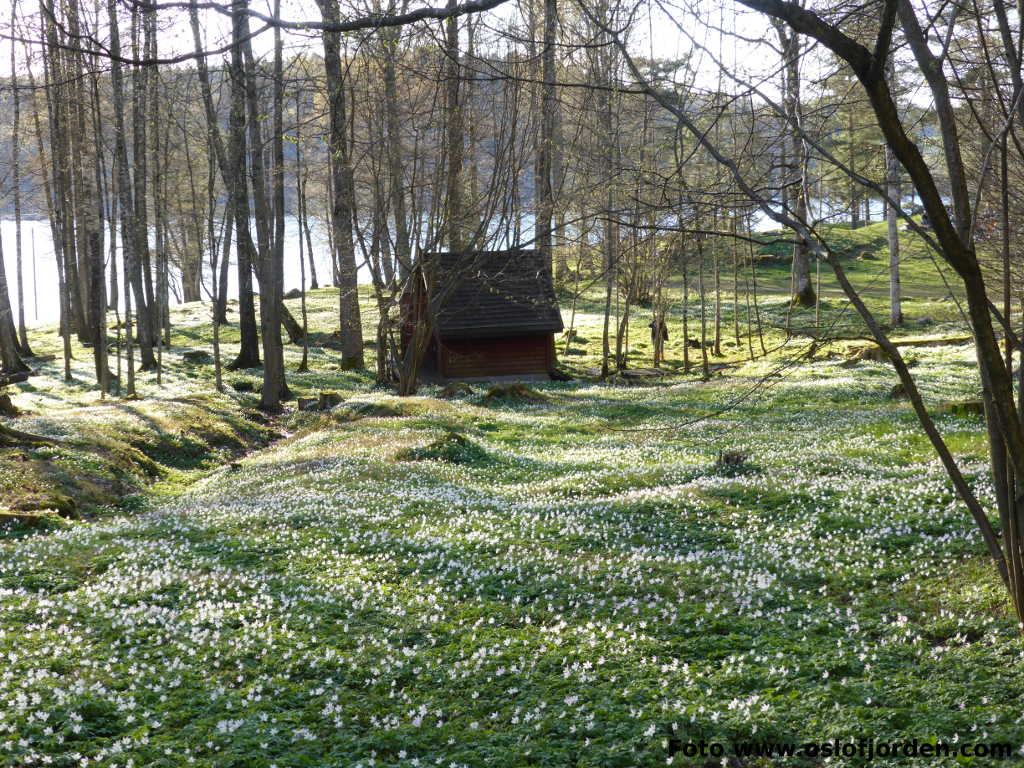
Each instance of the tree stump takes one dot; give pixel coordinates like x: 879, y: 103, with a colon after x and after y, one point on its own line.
x: 329, y: 400
x: 13, y: 378
x: 7, y: 408
x: 309, y: 403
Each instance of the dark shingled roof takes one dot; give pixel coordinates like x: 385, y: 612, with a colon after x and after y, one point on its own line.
x: 495, y: 293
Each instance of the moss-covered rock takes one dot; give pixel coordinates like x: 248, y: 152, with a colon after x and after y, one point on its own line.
x: 515, y: 390
x: 450, y: 447
x: 353, y: 410
x: 455, y: 389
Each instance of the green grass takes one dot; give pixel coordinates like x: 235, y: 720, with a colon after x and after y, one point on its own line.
x: 472, y: 582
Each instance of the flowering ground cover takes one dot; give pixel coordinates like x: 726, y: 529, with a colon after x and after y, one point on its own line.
x: 582, y: 583
x: 599, y: 578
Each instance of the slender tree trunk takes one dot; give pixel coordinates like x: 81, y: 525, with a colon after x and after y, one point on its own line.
x: 10, y: 359
x: 803, y: 290
x: 396, y: 169
x: 160, y: 313
x: 341, y: 184
x: 717, y: 264
x: 88, y: 210
x: 23, y: 345
x: 299, y: 193
x: 735, y: 284
x: 892, y: 178
x: 455, y: 214
x: 275, y: 388
x: 852, y: 162
x: 211, y: 239
x: 610, y: 237
x: 249, y: 351
x: 126, y: 203
x: 753, y: 289
x: 141, y: 273
x: 302, y: 214
x: 705, y: 368
x: 546, y: 149
x: 686, y: 307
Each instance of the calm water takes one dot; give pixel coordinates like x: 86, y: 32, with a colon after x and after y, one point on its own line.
x: 42, y: 304
x: 39, y: 269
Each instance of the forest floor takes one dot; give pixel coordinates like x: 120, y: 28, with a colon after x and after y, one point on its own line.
x: 595, y: 578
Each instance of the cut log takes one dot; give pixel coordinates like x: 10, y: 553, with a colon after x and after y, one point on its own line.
x: 15, y: 438
x: 965, y: 408
x: 14, y: 378
x: 942, y: 341
x: 876, y: 353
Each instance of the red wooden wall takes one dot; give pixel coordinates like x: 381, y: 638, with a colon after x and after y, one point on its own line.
x: 464, y: 359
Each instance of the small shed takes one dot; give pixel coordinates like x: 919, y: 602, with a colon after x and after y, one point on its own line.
x: 495, y: 314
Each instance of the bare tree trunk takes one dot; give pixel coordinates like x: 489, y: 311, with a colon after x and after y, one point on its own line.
x: 211, y: 238
x: 10, y: 360
x: 686, y: 306
x: 454, y: 137
x: 396, y: 170
x: 705, y: 368
x: 126, y: 204
x: 23, y: 345
x: 79, y: 147
x: 303, y: 218
x: 88, y: 211
x: 803, y: 290
x: 161, y: 321
x: 93, y: 226
x: 546, y: 149
x: 304, y: 364
x: 57, y: 78
x: 717, y: 264
x: 275, y: 388
x: 57, y: 202
x: 735, y: 284
x: 753, y: 289
x: 892, y: 191
x: 854, y: 184
x: 140, y: 276
x: 249, y: 351
x: 341, y: 184
x: 610, y: 237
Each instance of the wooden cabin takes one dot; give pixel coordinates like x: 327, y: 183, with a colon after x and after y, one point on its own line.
x: 495, y: 314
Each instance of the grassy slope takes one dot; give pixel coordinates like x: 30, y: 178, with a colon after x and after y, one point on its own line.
x: 581, y: 580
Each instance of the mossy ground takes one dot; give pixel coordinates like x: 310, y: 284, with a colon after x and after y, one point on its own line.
x: 591, y: 587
